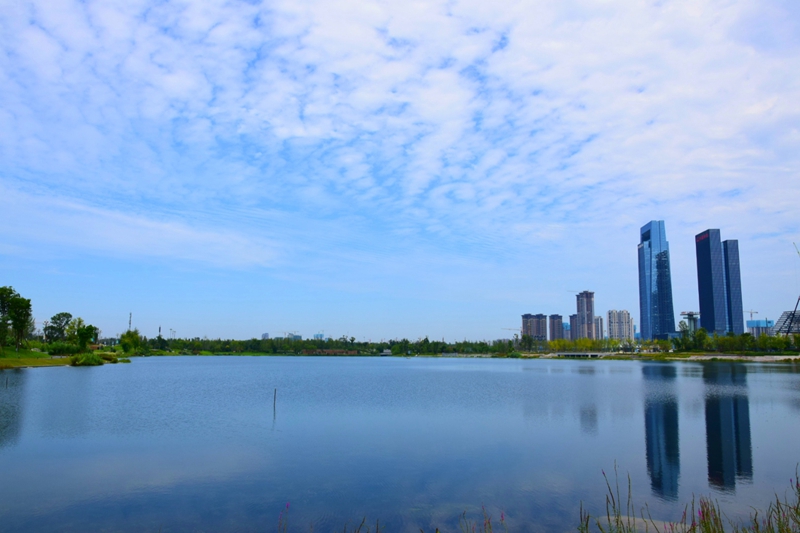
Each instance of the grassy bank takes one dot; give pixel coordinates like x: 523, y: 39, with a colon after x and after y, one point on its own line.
x: 28, y: 358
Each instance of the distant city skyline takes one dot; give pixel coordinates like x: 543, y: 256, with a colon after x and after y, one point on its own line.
x: 389, y: 170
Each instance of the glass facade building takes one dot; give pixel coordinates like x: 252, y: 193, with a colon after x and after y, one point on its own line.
x: 733, y: 287
x: 711, y: 282
x: 657, y: 317
x: 719, y: 284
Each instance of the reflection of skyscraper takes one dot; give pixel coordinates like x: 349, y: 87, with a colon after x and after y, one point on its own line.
x: 10, y: 406
x: 656, y: 314
x: 589, y: 419
x: 661, y: 430
x: 728, y: 446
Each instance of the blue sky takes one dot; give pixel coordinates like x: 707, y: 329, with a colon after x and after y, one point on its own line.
x: 389, y: 169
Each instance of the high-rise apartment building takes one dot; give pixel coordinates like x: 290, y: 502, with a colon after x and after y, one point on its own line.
x: 719, y: 283
x: 556, y: 327
x: 620, y: 325
x: 539, y: 327
x: 657, y: 317
x: 585, y: 314
x: 535, y: 326
x: 573, y: 328
x: 527, y: 324
x: 598, y: 328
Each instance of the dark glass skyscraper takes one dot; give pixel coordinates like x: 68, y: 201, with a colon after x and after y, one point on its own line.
x: 657, y: 316
x: 733, y: 286
x: 719, y: 283
x: 711, y: 282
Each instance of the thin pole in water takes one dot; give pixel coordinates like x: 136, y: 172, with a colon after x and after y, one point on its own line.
x: 274, y: 402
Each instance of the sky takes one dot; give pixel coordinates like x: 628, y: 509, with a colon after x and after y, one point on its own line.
x: 384, y: 169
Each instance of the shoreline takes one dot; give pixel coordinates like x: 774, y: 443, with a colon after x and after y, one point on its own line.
x: 10, y: 362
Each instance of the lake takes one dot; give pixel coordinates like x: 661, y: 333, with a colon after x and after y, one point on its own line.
x: 198, y: 444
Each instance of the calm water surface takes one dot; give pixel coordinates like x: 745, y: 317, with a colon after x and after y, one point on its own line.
x: 193, y: 443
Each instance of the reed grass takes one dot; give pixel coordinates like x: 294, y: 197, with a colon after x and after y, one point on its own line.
x: 703, y: 515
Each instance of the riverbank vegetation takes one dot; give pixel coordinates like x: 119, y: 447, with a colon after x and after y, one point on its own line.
x: 133, y: 343
x: 63, y: 339
x: 699, y: 516
x: 72, y: 338
x: 746, y: 344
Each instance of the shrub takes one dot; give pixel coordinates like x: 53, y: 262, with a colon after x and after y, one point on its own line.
x: 108, y: 357
x: 62, y: 348
x: 86, y: 359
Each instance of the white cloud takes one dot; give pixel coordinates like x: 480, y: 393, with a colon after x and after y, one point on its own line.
x: 457, y: 124
x: 64, y: 224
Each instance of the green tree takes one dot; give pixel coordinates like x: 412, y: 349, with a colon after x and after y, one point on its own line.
x: 20, y: 314
x: 86, y: 334
x: 7, y: 294
x: 701, y: 339
x: 132, y: 341
x: 56, y: 329
x: 526, y: 343
x: 72, y: 329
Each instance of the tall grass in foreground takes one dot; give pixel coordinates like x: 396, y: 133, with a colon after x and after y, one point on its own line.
x: 700, y: 516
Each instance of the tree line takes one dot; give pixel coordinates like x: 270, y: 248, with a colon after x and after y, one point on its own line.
x: 701, y: 341
x: 64, y: 334
x: 132, y: 341
x: 16, y: 319
x: 61, y: 335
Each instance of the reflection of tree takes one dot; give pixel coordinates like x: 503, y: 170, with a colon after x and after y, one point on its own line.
x: 589, y: 419
x: 728, y: 446
x: 661, y: 430
x: 11, y: 389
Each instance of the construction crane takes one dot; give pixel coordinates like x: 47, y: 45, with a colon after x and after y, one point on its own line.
x: 517, y: 332
x: 751, y: 314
